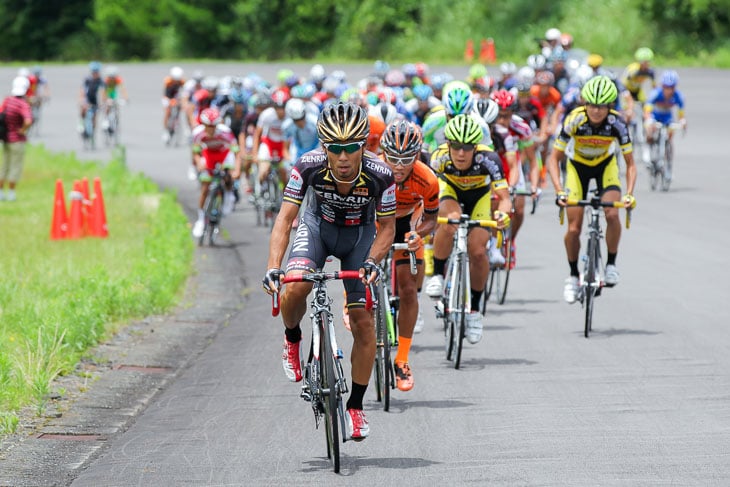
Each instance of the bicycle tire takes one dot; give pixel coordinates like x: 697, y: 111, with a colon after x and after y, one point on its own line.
x: 381, y: 338
x: 387, y: 365
x: 461, y: 328
x: 504, y: 270
x: 212, y: 210
x: 667, y: 169
x: 328, y: 382
x: 589, y: 276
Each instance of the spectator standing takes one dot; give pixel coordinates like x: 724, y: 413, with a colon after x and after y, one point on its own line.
x: 18, y: 120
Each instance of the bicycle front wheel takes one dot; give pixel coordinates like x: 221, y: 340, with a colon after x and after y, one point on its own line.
x: 589, y: 288
x: 460, y: 321
x: 328, y: 381
x: 667, y: 169
x: 501, y: 272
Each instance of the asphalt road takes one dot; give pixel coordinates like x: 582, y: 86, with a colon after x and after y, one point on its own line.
x: 644, y: 401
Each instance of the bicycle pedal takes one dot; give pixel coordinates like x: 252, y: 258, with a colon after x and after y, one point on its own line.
x: 306, y: 395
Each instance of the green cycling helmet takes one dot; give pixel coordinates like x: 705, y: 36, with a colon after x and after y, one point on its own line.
x: 644, y: 54
x: 477, y: 71
x: 463, y: 129
x: 599, y: 90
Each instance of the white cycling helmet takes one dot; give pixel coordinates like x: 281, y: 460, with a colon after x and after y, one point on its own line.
x: 295, y: 109
x: 209, y: 83
x: 176, y: 73
x: 552, y: 34
x: 317, y: 73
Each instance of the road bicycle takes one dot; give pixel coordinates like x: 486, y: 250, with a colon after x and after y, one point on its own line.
x: 386, y: 320
x: 213, y: 207
x: 110, y: 123
x: 661, y: 156
x: 591, y: 280
x: 456, y: 300
x: 324, y: 383
x: 173, y: 123
x: 496, y: 285
x: 88, y: 128
x: 268, y: 195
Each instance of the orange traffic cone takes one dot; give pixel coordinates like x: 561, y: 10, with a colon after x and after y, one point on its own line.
x: 86, y: 206
x: 491, y: 52
x: 98, y: 212
x: 469, y: 51
x: 76, y: 223
x: 59, y: 223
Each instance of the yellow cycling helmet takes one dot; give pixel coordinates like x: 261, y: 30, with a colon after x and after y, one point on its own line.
x: 595, y: 60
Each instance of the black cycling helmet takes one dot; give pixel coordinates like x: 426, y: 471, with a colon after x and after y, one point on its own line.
x: 402, y: 138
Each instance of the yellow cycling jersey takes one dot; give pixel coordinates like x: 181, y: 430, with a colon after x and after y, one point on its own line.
x: 485, y: 171
x: 592, y: 144
x: 633, y: 77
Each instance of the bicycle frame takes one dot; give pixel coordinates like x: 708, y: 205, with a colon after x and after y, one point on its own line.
x: 591, y: 280
x: 456, y: 301
x: 324, y: 381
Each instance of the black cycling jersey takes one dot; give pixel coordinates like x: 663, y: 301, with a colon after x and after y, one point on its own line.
x: 373, y: 193
x: 91, y: 89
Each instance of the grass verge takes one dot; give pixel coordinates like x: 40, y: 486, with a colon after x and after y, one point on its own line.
x: 58, y: 298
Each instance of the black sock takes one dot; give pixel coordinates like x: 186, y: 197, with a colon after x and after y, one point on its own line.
x: 573, y: 268
x: 611, y: 258
x: 476, y: 297
x: 358, y: 392
x: 293, y: 335
x: 438, y: 266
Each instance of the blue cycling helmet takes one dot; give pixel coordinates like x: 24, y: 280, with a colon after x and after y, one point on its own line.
x: 458, y: 100
x: 422, y: 92
x: 670, y: 79
x: 94, y: 66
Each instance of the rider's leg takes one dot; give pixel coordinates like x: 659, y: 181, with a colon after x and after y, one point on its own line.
x: 444, y: 236
x: 478, y: 263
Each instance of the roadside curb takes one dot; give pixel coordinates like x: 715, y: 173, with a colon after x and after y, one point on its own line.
x: 105, y: 394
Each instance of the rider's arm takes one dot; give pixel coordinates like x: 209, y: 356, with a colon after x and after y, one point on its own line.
x: 256, y: 141
x: 531, y: 153
x: 552, y: 166
x: 383, y: 239
x: 280, y: 234
x: 427, y: 225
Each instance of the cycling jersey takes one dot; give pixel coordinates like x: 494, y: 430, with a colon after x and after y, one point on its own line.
x: 172, y: 87
x: 532, y: 111
x: 634, y: 77
x: 660, y: 108
x: 550, y: 99
x: 91, y: 89
x: 222, y: 139
x: 435, y: 124
x: 111, y: 83
x: 592, y: 144
x: 305, y: 138
x: 421, y: 186
x: 373, y: 194
x: 486, y: 169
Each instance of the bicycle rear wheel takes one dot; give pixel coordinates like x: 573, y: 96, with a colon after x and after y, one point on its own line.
x: 382, y: 356
x: 212, y: 208
x: 328, y: 381
x: 502, y: 275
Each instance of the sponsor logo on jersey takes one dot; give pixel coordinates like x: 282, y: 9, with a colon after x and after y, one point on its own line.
x: 374, y: 166
x: 295, y: 180
x: 350, y: 201
x: 596, y: 141
x: 301, y: 240
x: 360, y: 191
x: 389, y: 195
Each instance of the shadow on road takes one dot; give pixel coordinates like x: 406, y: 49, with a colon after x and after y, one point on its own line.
x: 481, y: 363
x: 622, y: 331
x: 401, y: 406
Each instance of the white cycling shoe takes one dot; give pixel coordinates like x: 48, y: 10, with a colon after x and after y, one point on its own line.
x: 435, y: 286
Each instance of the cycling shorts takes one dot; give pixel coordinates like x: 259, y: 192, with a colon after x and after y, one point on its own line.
x: 317, y: 239
x: 476, y: 202
x: 226, y: 158
x: 403, y: 225
x: 578, y: 177
x: 269, y: 149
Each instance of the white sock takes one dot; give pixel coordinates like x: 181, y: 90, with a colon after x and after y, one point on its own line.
x: 201, y: 214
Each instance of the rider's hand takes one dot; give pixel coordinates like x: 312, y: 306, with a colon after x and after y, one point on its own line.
x: 502, y: 218
x: 629, y: 201
x: 202, y: 164
x: 414, y: 241
x: 561, y: 198
x: 271, y: 279
x: 369, y: 271
x: 536, y: 193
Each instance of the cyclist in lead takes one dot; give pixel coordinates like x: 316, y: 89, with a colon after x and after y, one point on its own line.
x: 661, y: 103
x: 417, y: 206
x: 349, y: 187
x: 468, y: 172
x: 593, y: 129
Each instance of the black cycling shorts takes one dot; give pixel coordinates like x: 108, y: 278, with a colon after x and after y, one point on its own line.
x: 317, y: 239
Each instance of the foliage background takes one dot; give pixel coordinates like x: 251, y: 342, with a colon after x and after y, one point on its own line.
x: 688, y: 31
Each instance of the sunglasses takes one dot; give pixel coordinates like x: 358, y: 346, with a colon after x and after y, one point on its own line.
x: 350, y: 148
x: 593, y: 105
x: 460, y: 146
x: 400, y: 161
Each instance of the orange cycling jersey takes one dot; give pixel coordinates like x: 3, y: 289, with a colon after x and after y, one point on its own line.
x: 551, y: 100
x: 421, y: 186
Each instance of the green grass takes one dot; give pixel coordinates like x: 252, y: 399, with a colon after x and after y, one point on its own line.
x: 58, y: 298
